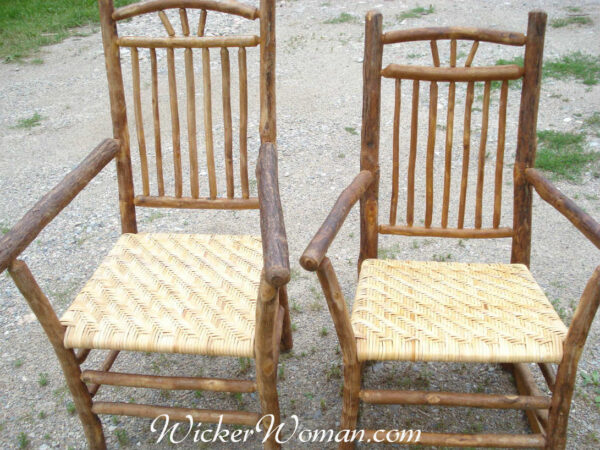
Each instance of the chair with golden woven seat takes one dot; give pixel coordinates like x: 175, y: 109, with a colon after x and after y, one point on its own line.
x: 446, y: 311
x: 200, y: 294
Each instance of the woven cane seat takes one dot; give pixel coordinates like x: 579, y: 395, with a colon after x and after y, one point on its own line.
x: 435, y: 311
x: 178, y: 293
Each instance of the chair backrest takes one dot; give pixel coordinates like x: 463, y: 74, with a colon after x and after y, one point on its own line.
x: 456, y: 218
x: 178, y: 181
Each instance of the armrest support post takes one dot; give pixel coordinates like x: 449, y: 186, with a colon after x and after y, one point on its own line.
x: 48, y: 207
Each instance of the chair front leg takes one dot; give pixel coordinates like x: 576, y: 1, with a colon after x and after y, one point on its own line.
x: 266, y: 361
x: 41, y: 307
x: 287, y: 341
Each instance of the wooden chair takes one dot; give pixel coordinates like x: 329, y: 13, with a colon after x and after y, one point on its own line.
x: 219, y: 295
x: 443, y: 311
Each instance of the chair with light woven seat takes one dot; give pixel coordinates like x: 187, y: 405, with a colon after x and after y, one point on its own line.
x: 446, y: 311
x: 200, y: 294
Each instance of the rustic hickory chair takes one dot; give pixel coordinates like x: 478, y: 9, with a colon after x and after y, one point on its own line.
x: 445, y: 311
x: 218, y: 295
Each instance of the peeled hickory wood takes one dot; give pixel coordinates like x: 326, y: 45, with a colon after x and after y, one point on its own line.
x: 48, y: 207
x: 164, y: 382
x: 272, y: 227
x: 352, y: 367
x: 227, y: 122
x: 202, y: 22
x: 243, y: 122
x: 139, y: 121
x: 208, y: 126
x: 156, y: 117
x: 412, y: 157
x: 500, y: 155
x: 166, y: 23
x: 118, y: 112
x: 41, y: 307
x: 395, y: 153
x: 82, y: 355
x: 268, y: 73
x: 191, y: 120
x: 230, y: 7
x: 464, y: 180
x: 369, y: 150
x: 567, y: 207
x: 424, y: 73
x: 492, y: 401
x: 465, y: 233
x: 477, y: 34
x: 188, y: 41
x: 549, y: 374
x: 567, y: 369
x: 481, y: 156
x: 317, y: 248
x: 177, y: 414
x: 197, y: 203
x: 448, y: 153
x: 106, y: 365
x: 526, y: 385
x: 287, y: 341
x: 185, y: 24
x: 174, y: 122
x: 433, y: 94
x: 472, y: 53
x: 453, y: 53
x: 527, y: 137
x: 266, y: 363
x: 462, y: 440
x: 435, y: 53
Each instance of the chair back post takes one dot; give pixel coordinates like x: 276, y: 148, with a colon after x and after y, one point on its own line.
x: 268, y: 123
x: 119, y: 115
x: 527, y: 137
x: 369, y: 152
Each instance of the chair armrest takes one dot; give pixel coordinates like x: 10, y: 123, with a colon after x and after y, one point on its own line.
x: 272, y: 227
x: 48, y: 207
x: 316, y: 250
x: 567, y: 207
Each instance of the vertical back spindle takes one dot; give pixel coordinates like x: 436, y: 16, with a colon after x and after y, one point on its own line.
x: 139, y: 121
x: 210, y: 157
x: 481, y: 158
x: 396, y: 153
x: 202, y: 23
x: 174, y: 121
x: 227, y: 121
x: 449, y: 138
x: 156, y: 116
x: 500, y: 154
x: 435, y: 54
x: 166, y: 23
x: 412, y: 157
x: 471, y: 56
x: 433, y: 95
x: 243, y: 122
x: 466, y: 151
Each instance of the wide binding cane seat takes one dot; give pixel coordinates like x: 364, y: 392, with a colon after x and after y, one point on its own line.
x: 178, y: 293
x: 439, y: 311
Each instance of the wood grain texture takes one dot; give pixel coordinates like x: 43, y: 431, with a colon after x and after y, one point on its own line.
x: 434, y: 33
x: 464, y: 180
x: 448, y: 153
x: 243, y: 122
x: 425, y: 73
x: 227, y: 121
x: 500, y: 155
x: 139, y: 120
x: 175, y: 131
x: 230, y: 7
x: 52, y: 203
x: 191, y: 121
x: 482, y: 154
x: 463, y: 233
x: 156, y: 121
x: 395, y: 153
x: 433, y: 100
x: 196, y: 203
x: 208, y: 124
x: 412, y: 157
x: 188, y: 41
x: 268, y: 70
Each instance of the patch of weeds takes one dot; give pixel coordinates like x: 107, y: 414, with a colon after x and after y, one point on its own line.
x: 43, y: 379
x: 18, y: 363
x: 294, y: 327
x: 122, y: 437
x: 388, y: 253
x: 42, y: 415
x: 593, y: 122
x: 570, y: 20
x: 562, y: 153
x: 341, y: 155
x: 324, y: 332
x: 154, y: 215
x: 323, y: 404
x: 29, y: 122
x: 413, y: 55
x: 245, y: 364
x: 342, y: 18
x: 461, y: 243
x: 198, y: 394
x: 237, y: 396
x: 296, y: 307
x: 114, y: 420
x: 560, y: 310
x: 592, y: 380
x: 281, y: 372
x: 351, y: 130
x: 71, y: 408
x: 4, y: 229
x: 415, y: 13
x: 334, y: 372
x: 23, y: 440
x: 577, y: 65
x: 442, y: 257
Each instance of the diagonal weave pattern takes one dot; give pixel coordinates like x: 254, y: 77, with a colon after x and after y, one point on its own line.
x: 432, y: 311
x: 180, y: 293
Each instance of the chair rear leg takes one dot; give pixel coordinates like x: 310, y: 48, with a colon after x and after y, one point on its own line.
x: 287, y: 341
x: 351, y: 400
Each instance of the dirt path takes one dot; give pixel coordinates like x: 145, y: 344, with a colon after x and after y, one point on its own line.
x: 319, y: 107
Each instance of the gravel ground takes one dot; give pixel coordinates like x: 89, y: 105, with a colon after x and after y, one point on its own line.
x: 319, y: 107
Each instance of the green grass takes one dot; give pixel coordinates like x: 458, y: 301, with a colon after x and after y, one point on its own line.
x: 43, y: 379
x: 23, y: 440
x: 351, y: 130
x: 570, y: 20
x: 342, y: 18
x: 122, y: 437
x: 415, y: 13
x: 27, y: 25
x: 563, y: 153
x: 29, y: 122
x: 577, y: 65
x: 593, y: 123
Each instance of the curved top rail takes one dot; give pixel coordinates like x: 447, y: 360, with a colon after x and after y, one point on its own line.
x: 230, y: 7
x: 475, y: 34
